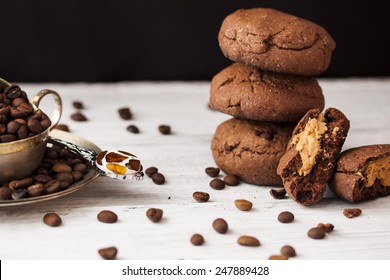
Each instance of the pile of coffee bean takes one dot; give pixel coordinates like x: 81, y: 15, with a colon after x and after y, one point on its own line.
x: 18, y: 120
x: 58, y: 170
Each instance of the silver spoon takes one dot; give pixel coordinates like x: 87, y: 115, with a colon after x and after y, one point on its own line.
x: 115, y: 164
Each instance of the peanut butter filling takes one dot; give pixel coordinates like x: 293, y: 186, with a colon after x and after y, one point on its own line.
x: 307, y: 143
x: 378, y: 169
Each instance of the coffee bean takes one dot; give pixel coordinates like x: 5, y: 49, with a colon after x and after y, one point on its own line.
x: 64, y: 176
x: 17, y: 102
x: 26, y: 108
x: 278, y: 257
x: 18, y: 184
x: 12, y: 127
x: 107, y: 216
x: 327, y: 227
x: 197, y: 239
x: 286, y: 217
x: 217, y: 184
x: 22, y: 132
x: 52, y: 186
x: 220, y: 225
x: 5, y: 193
x: 5, y: 111
x: 78, y: 105
x: 164, y: 129
x: 81, y: 167
x: 6, y: 138
x: 133, y: 129
x: 231, y: 180
x: 61, y: 167
x: 154, y: 214
x: 288, y: 251
x: 78, y: 117
x: 243, y: 204
x: 316, y: 233
x: 52, y: 219
x: 43, y: 178
x: 16, y: 114
x: 36, y: 190
x: 108, y: 253
x: 352, y: 212
x: 246, y: 240
x: 45, y: 123
x: 151, y: 170
x: 212, y: 171
x: 201, y: 196
x: 34, y: 126
x: 158, y: 178
x: 278, y: 193
x: 125, y: 113
x: 77, y: 176
x: 62, y: 127
x: 12, y: 91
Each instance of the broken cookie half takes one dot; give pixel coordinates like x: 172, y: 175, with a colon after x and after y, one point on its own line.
x: 311, y: 154
x: 362, y: 173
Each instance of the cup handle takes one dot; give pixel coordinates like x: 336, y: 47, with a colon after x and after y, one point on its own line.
x: 57, y: 102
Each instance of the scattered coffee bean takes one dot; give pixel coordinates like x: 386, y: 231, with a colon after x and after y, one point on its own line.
x: 5, y: 193
x: 52, y: 219
x: 243, y: 204
x: 231, y: 180
x: 327, y: 227
x: 164, y: 129
x: 352, y: 212
x: 217, y: 184
x: 220, y: 225
x: 212, y: 171
x: 78, y: 105
x: 278, y: 257
x: 197, y: 239
x: 278, y: 193
x: 158, y: 178
x: 316, y: 233
x: 107, y: 216
x: 62, y: 127
x: 133, y: 129
x: 108, y: 253
x: 78, y: 117
x: 154, y: 214
x: 286, y: 217
x: 125, y: 113
x: 150, y: 171
x: 288, y: 251
x: 201, y: 196
x: 246, y: 240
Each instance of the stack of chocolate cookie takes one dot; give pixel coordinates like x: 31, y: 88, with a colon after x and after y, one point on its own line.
x: 270, y: 86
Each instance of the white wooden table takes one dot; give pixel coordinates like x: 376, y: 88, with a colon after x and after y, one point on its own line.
x: 182, y: 158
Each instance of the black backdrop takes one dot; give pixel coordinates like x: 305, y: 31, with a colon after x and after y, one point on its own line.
x: 86, y: 40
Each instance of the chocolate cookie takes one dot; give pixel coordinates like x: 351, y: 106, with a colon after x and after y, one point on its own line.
x: 311, y: 154
x: 362, y: 173
x: 250, y: 93
x: 276, y: 41
x: 251, y: 150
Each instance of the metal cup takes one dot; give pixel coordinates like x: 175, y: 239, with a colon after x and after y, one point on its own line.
x: 18, y: 159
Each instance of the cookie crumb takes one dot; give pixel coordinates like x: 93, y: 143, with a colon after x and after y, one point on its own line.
x: 352, y: 212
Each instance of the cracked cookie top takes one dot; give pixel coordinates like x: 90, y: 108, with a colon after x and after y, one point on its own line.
x: 249, y: 93
x: 276, y: 41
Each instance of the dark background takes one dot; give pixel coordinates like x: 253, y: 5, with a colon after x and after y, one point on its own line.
x: 85, y: 40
